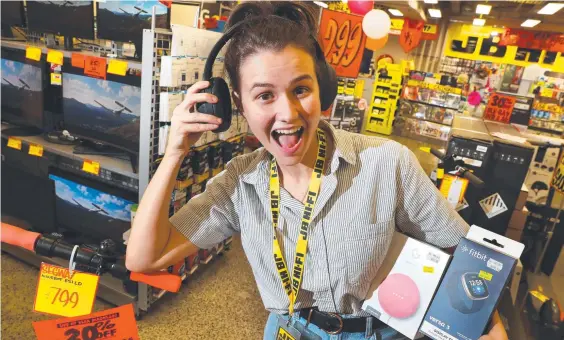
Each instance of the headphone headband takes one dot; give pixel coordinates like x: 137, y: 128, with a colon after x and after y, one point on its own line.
x: 208, y: 68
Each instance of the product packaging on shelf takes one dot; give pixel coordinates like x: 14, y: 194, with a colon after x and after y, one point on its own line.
x: 472, y: 286
x: 405, y: 284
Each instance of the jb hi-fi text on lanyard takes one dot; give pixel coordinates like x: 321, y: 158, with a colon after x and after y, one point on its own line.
x: 292, y: 283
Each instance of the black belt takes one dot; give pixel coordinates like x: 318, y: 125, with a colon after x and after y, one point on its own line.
x: 334, y: 324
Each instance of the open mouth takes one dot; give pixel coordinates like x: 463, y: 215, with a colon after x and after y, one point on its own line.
x: 289, y: 139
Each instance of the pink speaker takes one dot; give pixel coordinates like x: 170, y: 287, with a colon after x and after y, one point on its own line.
x: 399, y: 296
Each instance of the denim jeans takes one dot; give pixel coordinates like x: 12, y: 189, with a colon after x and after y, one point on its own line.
x: 386, y: 333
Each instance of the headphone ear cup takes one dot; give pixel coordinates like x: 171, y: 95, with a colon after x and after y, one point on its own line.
x: 222, y: 109
x: 327, y: 85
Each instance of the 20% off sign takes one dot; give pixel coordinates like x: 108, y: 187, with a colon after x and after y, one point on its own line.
x: 116, y: 324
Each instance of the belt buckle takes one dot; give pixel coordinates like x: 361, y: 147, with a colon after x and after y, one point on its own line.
x: 340, y: 329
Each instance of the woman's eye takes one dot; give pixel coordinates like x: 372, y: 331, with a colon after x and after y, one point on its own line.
x: 265, y: 96
x: 301, y: 91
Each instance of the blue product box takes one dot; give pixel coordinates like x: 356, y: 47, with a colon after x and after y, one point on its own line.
x: 472, y: 286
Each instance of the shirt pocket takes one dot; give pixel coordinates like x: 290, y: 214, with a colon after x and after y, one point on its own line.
x: 364, y: 249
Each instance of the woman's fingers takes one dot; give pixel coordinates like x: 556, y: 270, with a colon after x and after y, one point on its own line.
x: 197, y: 87
x: 196, y: 117
x: 197, y: 127
x: 193, y: 99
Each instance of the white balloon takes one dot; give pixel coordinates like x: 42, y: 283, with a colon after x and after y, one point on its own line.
x: 376, y: 24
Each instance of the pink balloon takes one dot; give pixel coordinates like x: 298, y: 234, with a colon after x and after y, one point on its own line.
x: 360, y: 7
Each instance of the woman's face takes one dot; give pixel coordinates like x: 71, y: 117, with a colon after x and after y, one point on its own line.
x: 280, y: 100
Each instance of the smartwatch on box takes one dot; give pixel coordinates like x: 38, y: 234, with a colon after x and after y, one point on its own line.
x: 467, y: 292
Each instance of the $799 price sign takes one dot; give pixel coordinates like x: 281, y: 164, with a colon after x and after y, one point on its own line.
x: 116, y: 324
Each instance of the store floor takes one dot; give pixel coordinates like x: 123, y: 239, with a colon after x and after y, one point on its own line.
x: 220, y: 301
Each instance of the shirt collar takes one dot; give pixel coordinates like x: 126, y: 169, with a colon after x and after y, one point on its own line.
x: 258, y: 170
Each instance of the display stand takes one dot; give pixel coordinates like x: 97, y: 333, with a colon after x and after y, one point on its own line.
x: 384, y: 99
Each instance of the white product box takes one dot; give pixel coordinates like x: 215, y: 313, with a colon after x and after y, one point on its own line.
x: 405, y: 284
x: 163, y: 138
x: 167, y: 103
x: 173, y: 71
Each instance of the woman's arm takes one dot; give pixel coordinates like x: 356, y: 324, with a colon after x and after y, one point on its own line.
x: 153, y: 243
x: 421, y: 210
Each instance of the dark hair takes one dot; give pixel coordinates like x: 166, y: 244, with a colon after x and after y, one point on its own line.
x: 268, y: 25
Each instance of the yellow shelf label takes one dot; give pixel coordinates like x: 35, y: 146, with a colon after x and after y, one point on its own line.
x: 33, y: 53
x: 55, y: 57
x: 427, y: 269
x: 14, y: 143
x: 117, y: 67
x: 91, y: 167
x: 61, y: 293
x: 56, y: 79
x: 485, y: 275
x: 36, y: 150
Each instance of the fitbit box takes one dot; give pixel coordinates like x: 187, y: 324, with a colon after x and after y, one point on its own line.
x: 472, y: 286
x: 405, y: 284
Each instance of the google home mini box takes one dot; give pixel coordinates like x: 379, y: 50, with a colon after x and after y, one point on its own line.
x: 472, y: 286
x: 405, y: 284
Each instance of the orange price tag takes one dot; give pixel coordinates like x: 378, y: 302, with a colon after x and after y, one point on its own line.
x: 115, y: 323
x: 500, y: 107
x: 36, y: 150
x: 60, y: 292
x: 91, y: 167
x: 14, y: 143
x: 55, y: 57
x: 77, y: 60
x: 95, y: 67
x: 33, y: 53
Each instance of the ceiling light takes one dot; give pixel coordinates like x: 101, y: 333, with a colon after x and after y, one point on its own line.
x: 435, y: 13
x: 395, y: 12
x: 530, y: 23
x: 483, y: 9
x: 494, y: 34
x: 479, y: 22
x: 551, y: 8
x: 431, y: 1
x: 321, y: 4
x: 345, y: 1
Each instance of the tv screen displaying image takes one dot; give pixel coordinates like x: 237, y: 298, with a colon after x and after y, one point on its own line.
x: 91, y: 211
x: 12, y: 13
x: 125, y: 20
x: 67, y: 18
x: 22, y: 93
x: 102, y: 110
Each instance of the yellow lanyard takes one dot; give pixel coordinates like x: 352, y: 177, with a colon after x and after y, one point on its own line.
x: 292, y: 283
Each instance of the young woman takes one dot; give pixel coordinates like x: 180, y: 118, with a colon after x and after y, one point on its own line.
x: 316, y: 207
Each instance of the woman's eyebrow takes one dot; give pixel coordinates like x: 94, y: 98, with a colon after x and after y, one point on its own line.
x: 295, y: 80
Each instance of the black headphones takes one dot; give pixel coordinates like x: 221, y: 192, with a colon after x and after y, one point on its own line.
x: 326, y: 77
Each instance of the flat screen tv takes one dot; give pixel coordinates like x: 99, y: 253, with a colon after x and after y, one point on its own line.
x: 105, y: 111
x: 67, y: 18
x: 12, y: 13
x: 125, y: 20
x: 88, y: 208
x: 23, y: 84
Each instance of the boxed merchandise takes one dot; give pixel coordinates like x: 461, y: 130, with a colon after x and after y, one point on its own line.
x: 472, y: 286
x: 522, y: 199
x: 538, y: 182
x: 214, y: 155
x: 200, y: 164
x: 518, y: 219
x: 192, y: 263
x: 405, y: 284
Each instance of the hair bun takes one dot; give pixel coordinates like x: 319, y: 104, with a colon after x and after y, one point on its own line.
x: 297, y: 12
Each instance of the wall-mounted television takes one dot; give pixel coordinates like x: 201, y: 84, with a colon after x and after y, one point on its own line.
x: 90, y: 208
x: 106, y: 111
x: 125, y: 20
x: 23, y: 84
x: 67, y: 18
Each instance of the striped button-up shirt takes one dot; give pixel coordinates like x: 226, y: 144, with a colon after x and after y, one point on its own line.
x: 372, y: 187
